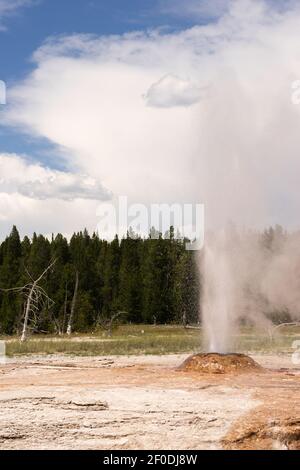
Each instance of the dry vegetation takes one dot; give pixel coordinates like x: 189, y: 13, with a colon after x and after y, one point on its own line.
x: 146, y: 339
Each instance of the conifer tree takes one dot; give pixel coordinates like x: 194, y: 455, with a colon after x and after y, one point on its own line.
x: 10, y: 272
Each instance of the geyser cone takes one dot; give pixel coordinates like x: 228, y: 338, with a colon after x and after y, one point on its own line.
x: 215, y: 363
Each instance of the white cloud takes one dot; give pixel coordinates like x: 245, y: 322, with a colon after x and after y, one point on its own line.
x: 236, y: 151
x: 65, y: 186
x: 38, y: 198
x: 171, y: 91
x: 46, y: 216
x: 208, y: 9
x: 37, y: 182
x: 10, y: 7
x: 212, y: 10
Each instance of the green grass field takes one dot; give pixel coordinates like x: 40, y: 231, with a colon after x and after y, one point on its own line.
x: 146, y: 339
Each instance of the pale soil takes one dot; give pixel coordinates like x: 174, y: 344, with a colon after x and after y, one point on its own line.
x: 144, y: 402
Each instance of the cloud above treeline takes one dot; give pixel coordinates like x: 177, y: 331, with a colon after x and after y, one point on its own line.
x: 204, y: 114
x: 37, y: 182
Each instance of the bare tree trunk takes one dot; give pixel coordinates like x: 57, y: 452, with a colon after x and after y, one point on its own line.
x: 275, y: 328
x: 65, y: 309
x: 57, y: 326
x: 184, y: 319
x: 70, y: 324
x: 107, y: 323
x: 27, y: 312
x: 30, y: 299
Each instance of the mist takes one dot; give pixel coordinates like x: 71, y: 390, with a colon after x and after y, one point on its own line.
x: 249, y: 278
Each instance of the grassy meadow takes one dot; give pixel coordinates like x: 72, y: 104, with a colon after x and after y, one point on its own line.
x: 149, y: 339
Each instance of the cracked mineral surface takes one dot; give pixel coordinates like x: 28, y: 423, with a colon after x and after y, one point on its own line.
x: 146, y: 403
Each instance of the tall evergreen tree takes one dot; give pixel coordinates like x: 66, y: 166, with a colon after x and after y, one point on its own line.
x: 10, y: 273
x: 130, y: 293
x: 159, y: 281
x: 152, y: 279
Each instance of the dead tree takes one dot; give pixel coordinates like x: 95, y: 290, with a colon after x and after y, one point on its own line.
x: 184, y: 319
x: 60, y: 322
x: 34, y: 295
x: 65, y: 308
x: 107, y: 322
x: 71, y: 317
x: 275, y: 328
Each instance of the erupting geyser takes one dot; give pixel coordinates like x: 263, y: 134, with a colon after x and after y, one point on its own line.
x: 223, y: 305
x: 219, y: 294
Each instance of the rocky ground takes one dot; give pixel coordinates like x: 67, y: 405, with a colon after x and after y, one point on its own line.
x: 145, y: 402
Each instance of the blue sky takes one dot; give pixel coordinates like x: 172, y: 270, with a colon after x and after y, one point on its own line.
x: 161, y: 116
x: 28, y: 27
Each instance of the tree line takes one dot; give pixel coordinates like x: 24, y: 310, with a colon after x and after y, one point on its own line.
x: 62, y: 286
x: 90, y: 281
